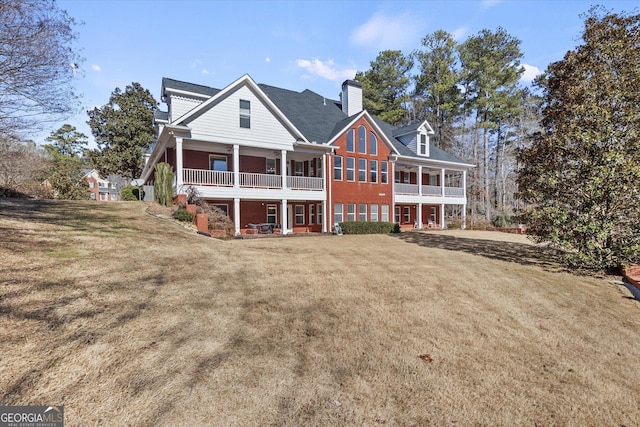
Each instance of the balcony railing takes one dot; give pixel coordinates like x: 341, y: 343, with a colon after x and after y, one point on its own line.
x: 428, y: 190
x: 249, y: 180
x: 304, y: 183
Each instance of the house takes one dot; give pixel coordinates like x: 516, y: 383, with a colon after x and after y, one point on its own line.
x: 99, y: 188
x: 264, y: 154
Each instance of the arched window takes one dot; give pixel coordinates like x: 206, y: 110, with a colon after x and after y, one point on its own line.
x: 350, y: 137
x: 362, y: 144
x: 373, y: 144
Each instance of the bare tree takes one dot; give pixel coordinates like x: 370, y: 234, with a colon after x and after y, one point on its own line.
x: 22, y: 166
x: 37, y: 64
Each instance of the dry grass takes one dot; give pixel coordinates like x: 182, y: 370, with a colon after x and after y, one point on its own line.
x: 128, y: 319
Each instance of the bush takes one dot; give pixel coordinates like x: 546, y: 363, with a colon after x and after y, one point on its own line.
x: 182, y: 215
x: 365, y: 227
x: 163, y: 184
x: 127, y: 193
x: 503, y: 220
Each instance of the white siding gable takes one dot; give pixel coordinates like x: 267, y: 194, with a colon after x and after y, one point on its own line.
x: 411, y: 141
x: 179, y: 105
x: 221, y: 123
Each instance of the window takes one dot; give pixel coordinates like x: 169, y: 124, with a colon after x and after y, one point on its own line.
x: 362, y: 170
x: 218, y: 163
x: 319, y: 216
x: 362, y: 212
x: 433, y: 180
x: 350, y: 138
x: 351, y: 169
x: 272, y: 214
x: 299, y: 214
x: 312, y: 216
x: 362, y: 143
x: 397, y: 215
x: 101, y: 185
x: 422, y: 149
x: 373, y: 171
x: 223, y: 207
x: 311, y: 168
x: 384, y: 178
x: 397, y: 177
x: 245, y: 114
x: 405, y: 177
x: 374, y: 213
x: 337, y: 213
x: 91, y: 184
x: 271, y: 166
x: 299, y: 168
x: 319, y: 167
x: 432, y: 217
x: 384, y: 213
x: 337, y: 168
x: 373, y: 144
x: 407, y: 214
x: 351, y: 212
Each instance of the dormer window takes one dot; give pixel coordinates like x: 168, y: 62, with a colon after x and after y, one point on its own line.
x: 423, y: 144
x: 245, y: 114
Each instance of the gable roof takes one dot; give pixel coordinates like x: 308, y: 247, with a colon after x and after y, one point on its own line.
x: 315, y: 117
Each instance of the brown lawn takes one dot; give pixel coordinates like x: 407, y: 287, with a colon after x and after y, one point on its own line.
x: 127, y: 319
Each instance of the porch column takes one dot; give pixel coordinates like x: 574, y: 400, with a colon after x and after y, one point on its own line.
x: 464, y: 184
x: 283, y: 217
x: 283, y: 170
x: 236, y: 216
x: 442, y: 226
x: 392, y: 178
x: 324, y: 217
x: 419, y: 182
x: 464, y: 217
x: 323, y: 169
x: 442, y: 182
x: 179, y: 174
x: 236, y: 166
x: 419, y: 216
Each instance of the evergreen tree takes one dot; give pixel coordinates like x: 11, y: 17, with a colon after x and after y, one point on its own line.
x: 581, y: 175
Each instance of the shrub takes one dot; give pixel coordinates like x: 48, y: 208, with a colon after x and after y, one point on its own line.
x: 182, y: 215
x: 365, y: 227
x: 127, y: 193
x: 503, y: 220
x: 163, y: 184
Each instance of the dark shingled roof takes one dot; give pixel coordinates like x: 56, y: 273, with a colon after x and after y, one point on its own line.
x: 188, y: 87
x: 161, y: 115
x: 318, y: 118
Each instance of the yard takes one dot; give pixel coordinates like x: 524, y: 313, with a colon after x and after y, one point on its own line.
x: 127, y: 319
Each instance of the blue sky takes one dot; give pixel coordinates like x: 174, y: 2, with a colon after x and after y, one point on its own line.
x: 296, y: 45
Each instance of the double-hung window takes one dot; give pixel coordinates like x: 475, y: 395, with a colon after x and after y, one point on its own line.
x: 272, y: 214
x: 338, y: 213
x: 384, y: 177
x: 362, y: 170
x: 351, y: 168
x: 424, y: 141
x: 312, y: 216
x: 337, y: 168
x: 299, y: 214
x: 351, y: 212
x: 373, y: 171
x: 374, y: 213
x: 299, y: 168
x: 384, y: 213
x: 245, y: 114
x: 407, y: 214
x: 362, y: 212
x: 319, y: 216
x: 271, y: 166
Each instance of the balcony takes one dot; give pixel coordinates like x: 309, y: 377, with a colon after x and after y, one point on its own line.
x: 201, y: 177
x: 428, y: 190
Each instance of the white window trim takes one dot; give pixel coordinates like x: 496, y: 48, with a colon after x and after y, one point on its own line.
x: 312, y: 210
x: 360, y: 213
x: 373, y: 216
x: 360, y: 170
x: 354, y: 212
x: 347, y: 169
x: 335, y: 168
x: 296, y: 215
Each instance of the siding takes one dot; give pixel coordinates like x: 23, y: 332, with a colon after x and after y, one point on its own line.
x: 222, y: 123
x: 179, y: 106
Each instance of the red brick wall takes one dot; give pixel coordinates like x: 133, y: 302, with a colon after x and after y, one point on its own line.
x: 359, y: 192
x: 93, y: 190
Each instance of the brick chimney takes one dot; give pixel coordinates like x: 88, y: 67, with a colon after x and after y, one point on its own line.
x: 351, y: 97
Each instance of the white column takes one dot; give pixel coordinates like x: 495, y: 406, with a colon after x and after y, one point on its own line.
x: 179, y: 174
x: 442, y: 182
x: 323, y: 167
x: 324, y: 217
x: 419, y: 180
x: 464, y: 217
x: 236, y: 166
x: 442, y: 225
x: 283, y: 170
x: 464, y: 184
x: 419, y: 215
x: 236, y: 215
x: 392, y: 214
x: 283, y: 217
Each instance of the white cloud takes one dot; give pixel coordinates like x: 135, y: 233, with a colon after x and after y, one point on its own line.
x: 328, y: 70
x: 96, y: 68
x: 486, y: 4
x: 384, y: 31
x: 204, y: 71
x: 267, y: 59
x: 459, y: 33
x: 530, y: 73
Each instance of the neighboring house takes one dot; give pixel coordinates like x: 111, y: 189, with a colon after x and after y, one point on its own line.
x: 269, y: 155
x: 100, y: 189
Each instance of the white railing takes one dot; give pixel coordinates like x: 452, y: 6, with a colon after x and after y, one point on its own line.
x: 260, y: 180
x: 304, y: 183
x: 207, y: 177
x: 454, y: 192
x: 431, y: 190
x: 411, y: 189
